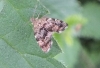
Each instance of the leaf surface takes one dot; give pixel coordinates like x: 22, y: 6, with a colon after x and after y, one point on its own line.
x: 17, y: 42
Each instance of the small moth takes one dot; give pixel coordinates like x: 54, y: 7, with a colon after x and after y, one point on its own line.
x: 43, y: 30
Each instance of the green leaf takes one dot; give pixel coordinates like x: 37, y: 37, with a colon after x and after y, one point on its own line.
x: 1, y: 5
x: 45, y: 62
x: 92, y: 13
x: 17, y: 37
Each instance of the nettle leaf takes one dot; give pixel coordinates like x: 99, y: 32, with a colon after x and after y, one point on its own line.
x: 18, y: 47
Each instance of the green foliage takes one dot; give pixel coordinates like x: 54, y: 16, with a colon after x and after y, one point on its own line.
x: 79, y: 43
x: 18, y: 47
x: 61, y: 9
x: 78, y: 49
x: 92, y: 13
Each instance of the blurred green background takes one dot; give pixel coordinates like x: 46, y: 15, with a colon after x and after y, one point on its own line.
x: 80, y: 42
